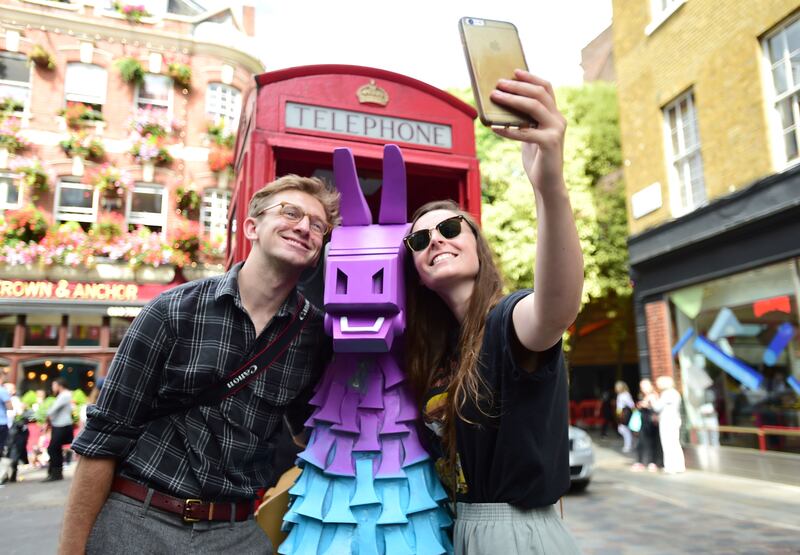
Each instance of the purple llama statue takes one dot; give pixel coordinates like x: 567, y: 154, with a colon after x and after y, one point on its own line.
x: 367, y: 486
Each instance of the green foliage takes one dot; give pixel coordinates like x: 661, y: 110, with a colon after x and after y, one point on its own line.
x: 180, y: 73
x: 41, y: 57
x: 131, y: 70
x: 29, y: 399
x: 592, y: 156
x: 218, y: 134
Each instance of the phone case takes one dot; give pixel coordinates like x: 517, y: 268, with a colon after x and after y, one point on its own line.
x: 493, y: 51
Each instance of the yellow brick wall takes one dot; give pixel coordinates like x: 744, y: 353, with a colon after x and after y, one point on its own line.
x: 716, y: 52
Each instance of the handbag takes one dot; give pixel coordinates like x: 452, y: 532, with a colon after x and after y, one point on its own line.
x: 635, y: 422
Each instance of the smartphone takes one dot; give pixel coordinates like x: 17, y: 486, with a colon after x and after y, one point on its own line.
x: 493, y: 51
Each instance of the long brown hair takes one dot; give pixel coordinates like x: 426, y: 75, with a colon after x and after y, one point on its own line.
x: 431, y: 322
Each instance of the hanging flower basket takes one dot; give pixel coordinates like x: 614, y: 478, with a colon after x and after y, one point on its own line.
x: 219, y: 135
x: 33, y: 175
x: 41, y: 57
x: 77, y: 115
x: 25, y: 224
x: 84, y: 146
x: 220, y: 158
x: 10, y: 139
x: 151, y: 148
x: 131, y: 70
x: 109, y: 180
x: 181, y: 74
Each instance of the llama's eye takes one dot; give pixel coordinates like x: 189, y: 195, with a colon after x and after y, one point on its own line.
x: 341, y: 282
x: 377, y: 282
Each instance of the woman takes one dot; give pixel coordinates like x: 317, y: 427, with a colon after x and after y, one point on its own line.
x: 668, y: 407
x: 489, y: 369
x: 624, y: 410
x: 648, y: 448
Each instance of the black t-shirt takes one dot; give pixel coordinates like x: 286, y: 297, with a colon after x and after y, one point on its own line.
x: 519, y: 452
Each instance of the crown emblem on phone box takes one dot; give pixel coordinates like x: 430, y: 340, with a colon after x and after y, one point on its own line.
x: 372, y: 94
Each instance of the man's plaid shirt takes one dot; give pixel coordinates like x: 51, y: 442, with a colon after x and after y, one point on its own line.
x: 183, y: 342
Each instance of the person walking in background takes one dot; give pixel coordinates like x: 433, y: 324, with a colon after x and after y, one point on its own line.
x: 625, y: 407
x: 5, y: 408
x: 648, y: 448
x: 668, y: 407
x: 606, y: 412
x: 59, y: 415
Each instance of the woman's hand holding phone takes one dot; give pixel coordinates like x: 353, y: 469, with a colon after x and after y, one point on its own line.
x: 543, y: 145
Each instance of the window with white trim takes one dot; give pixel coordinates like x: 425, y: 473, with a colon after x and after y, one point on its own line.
x: 783, y: 49
x: 87, y: 84
x: 224, y: 102
x: 155, y: 93
x: 15, y: 79
x: 687, y: 186
x: 75, y: 201
x: 147, y: 206
x: 214, y: 212
x: 10, y: 197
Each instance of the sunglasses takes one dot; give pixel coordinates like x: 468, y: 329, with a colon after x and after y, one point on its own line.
x: 419, y: 240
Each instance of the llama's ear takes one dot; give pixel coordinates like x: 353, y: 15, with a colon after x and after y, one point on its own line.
x: 353, y: 206
x: 393, y: 192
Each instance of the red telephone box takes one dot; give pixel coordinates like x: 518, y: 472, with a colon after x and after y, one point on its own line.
x: 293, y: 119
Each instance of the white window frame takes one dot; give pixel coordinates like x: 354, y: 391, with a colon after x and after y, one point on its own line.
x: 679, y: 170
x: 102, y: 87
x: 76, y: 213
x: 214, y: 211
x: 155, y: 219
x: 214, y: 101
x: 7, y: 179
x: 170, y: 96
x: 660, y: 11
x: 21, y: 85
x: 791, y: 96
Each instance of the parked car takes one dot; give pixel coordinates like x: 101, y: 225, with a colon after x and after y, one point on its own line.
x: 581, y: 458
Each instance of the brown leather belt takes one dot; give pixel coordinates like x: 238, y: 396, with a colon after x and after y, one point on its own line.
x: 191, y: 510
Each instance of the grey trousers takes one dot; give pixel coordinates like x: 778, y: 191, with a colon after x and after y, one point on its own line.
x: 127, y: 526
x: 499, y: 528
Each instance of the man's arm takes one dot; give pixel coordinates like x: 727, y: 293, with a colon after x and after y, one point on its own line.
x: 91, y: 485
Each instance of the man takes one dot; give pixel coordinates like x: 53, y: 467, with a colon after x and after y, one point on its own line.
x: 59, y: 417
x: 158, y: 470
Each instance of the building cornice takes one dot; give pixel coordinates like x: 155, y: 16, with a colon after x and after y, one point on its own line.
x: 94, y: 28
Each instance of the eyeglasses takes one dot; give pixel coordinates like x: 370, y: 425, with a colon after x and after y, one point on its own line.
x: 294, y: 213
x: 419, y: 240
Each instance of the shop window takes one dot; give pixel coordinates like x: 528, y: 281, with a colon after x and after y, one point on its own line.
x: 783, y: 51
x: 9, y: 192
x: 85, y: 84
x: 223, y: 103
x: 15, y: 79
x: 38, y: 375
x: 155, y: 94
x: 147, y: 206
x: 8, y: 323
x: 75, y: 201
x: 740, y: 365
x: 117, y: 329
x: 83, y: 330
x: 214, y: 214
x: 687, y: 185
x: 41, y: 330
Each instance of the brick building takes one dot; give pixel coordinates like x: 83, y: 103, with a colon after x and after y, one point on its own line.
x: 116, y: 134
x: 709, y: 105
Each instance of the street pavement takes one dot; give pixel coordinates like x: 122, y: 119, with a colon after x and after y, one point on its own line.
x: 621, y: 512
